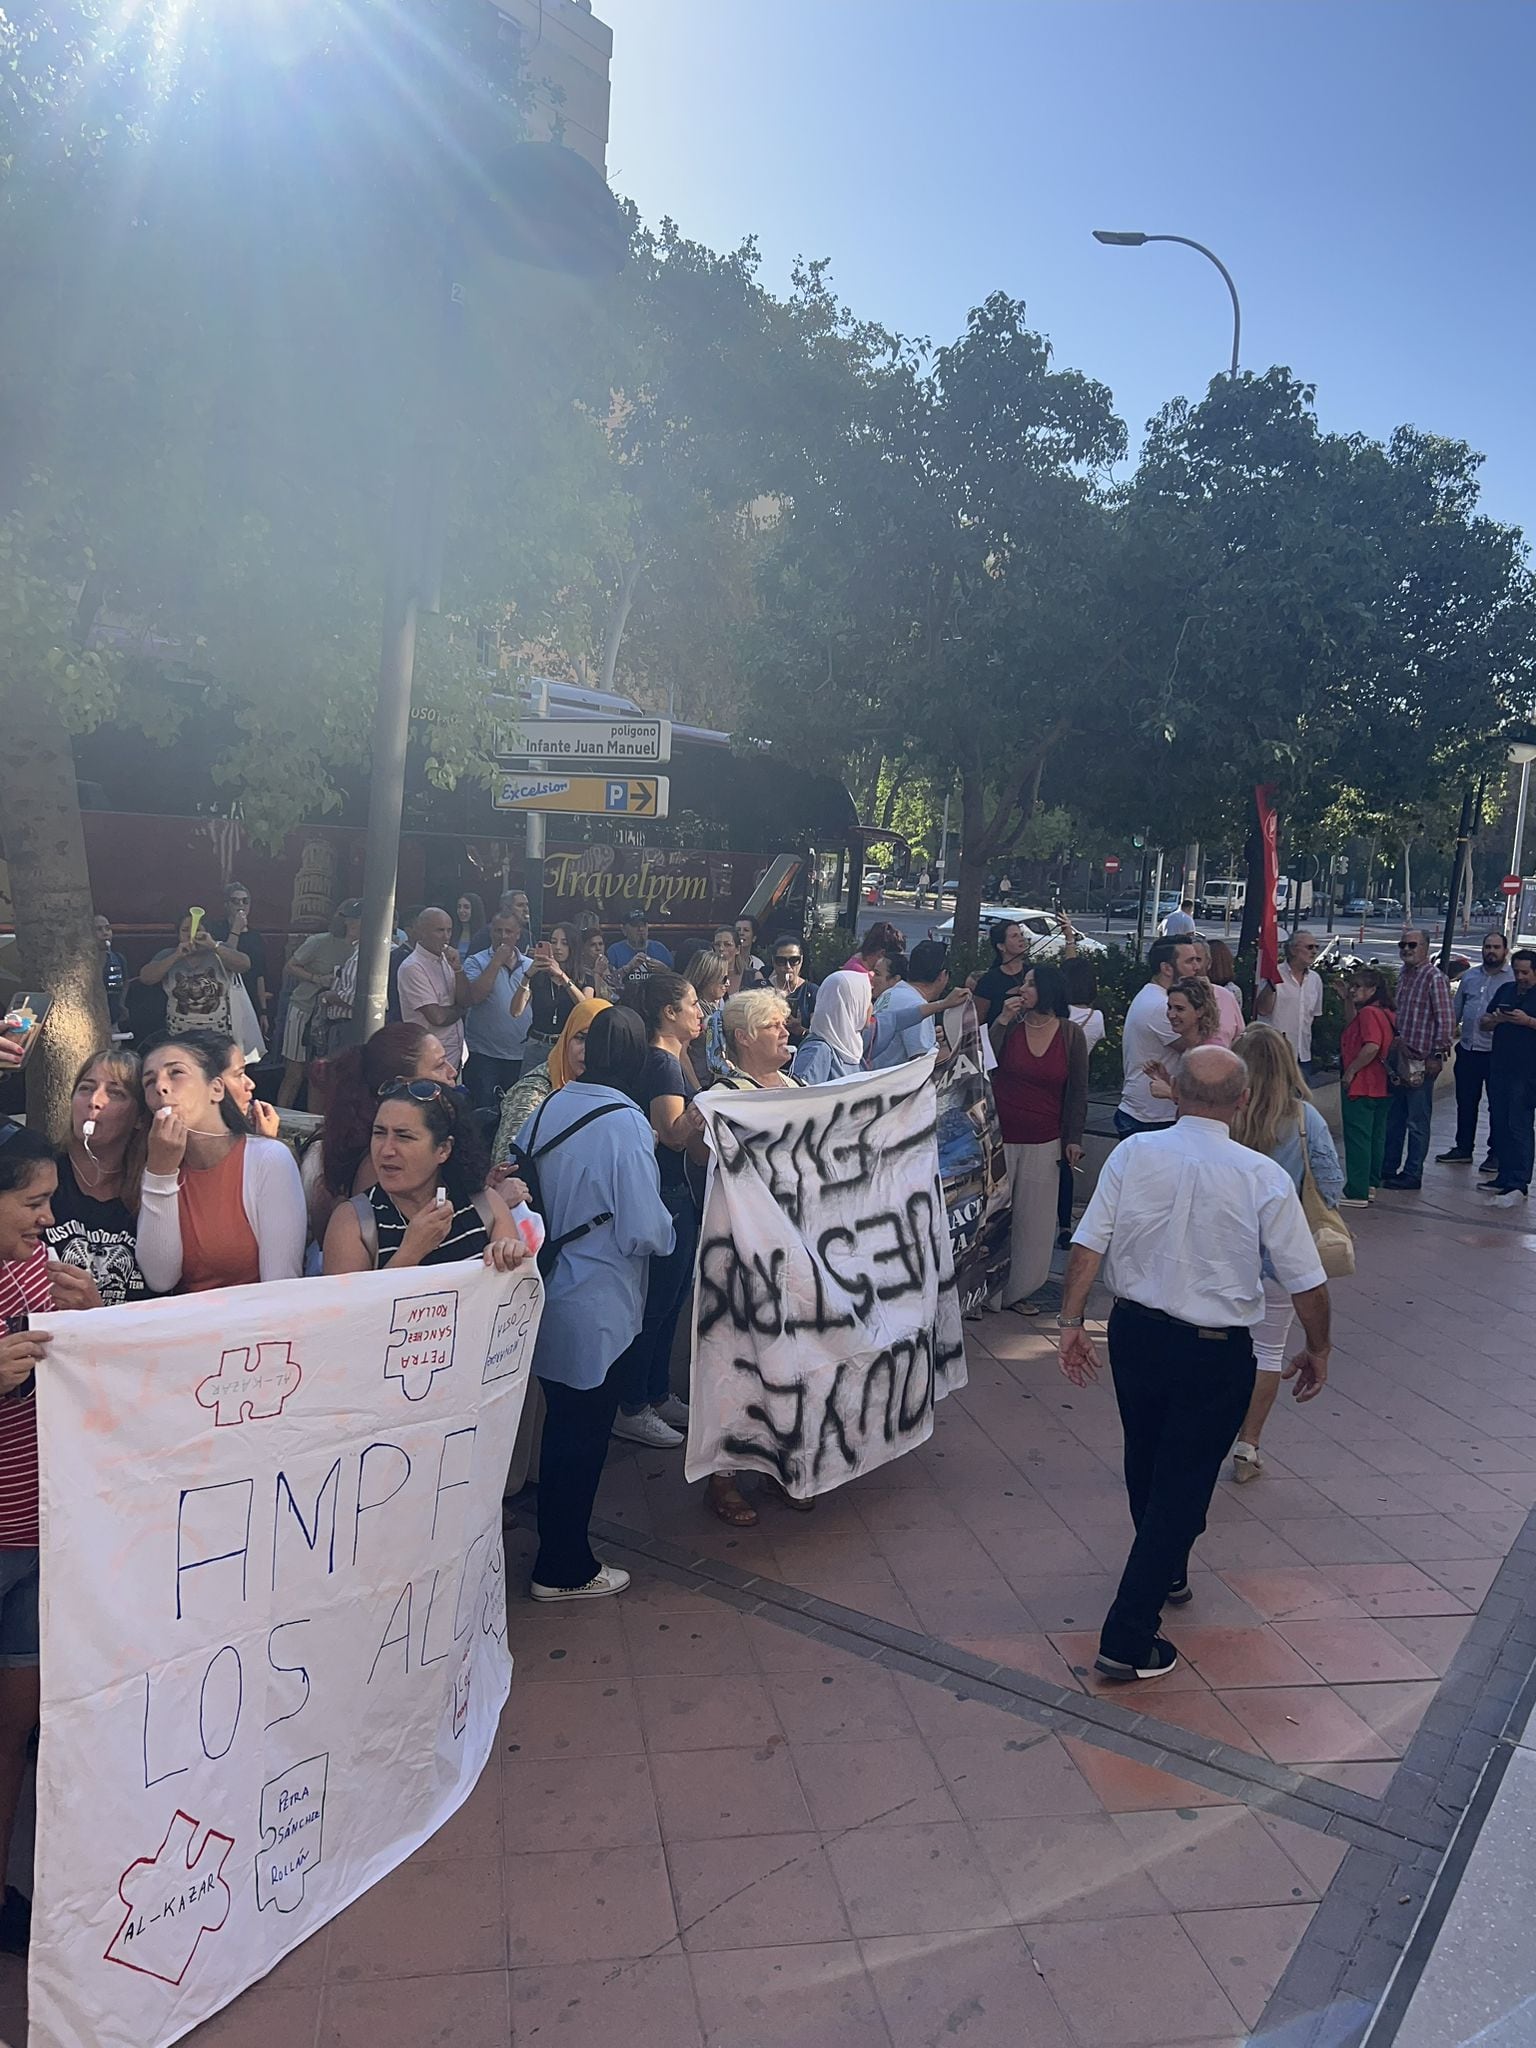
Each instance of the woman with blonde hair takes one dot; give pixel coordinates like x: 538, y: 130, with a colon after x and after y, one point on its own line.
x: 710, y: 972
x: 1278, y: 1119
x: 754, y: 1028
x: 1195, y: 1019
x: 101, y: 1174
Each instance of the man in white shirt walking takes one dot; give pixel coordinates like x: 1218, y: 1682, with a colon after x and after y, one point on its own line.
x: 1180, y: 1222
x: 1294, y: 1005
x: 1148, y: 1035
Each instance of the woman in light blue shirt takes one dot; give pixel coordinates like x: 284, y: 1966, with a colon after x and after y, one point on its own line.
x: 1277, y: 1119
x: 594, y: 1160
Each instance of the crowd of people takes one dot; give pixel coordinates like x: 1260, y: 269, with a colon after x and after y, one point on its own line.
x: 559, y: 1076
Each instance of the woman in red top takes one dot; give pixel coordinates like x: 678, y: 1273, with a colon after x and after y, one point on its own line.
x: 1041, y: 1090
x: 30, y: 1284
x: 1363, y: 1053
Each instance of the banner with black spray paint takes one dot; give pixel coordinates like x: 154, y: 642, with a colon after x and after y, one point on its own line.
x: 971, y: 1162
x: 274, y: 1621
x: 826, y: 1323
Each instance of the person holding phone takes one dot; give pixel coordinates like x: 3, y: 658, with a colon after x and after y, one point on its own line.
x: 196, y: 976
x: 32, y: 1282
x: 548, y: 991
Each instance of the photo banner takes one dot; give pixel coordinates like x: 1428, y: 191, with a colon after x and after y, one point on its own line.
x: 971, y: 1162
x: 826, y: 1323
x: 273, y: 1621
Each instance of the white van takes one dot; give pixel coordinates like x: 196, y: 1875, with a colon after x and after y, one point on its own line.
x: 1223, y: 894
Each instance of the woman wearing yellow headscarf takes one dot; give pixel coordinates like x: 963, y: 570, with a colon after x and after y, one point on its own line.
x: 566, y: 1059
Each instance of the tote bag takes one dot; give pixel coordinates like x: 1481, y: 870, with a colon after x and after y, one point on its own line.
x: 1330, y: 1233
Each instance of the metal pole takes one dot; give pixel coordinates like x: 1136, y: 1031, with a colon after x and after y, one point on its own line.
x: 1463, y: 840
x: 1141, y: 905
x: 386, y: 786
x: 533, y: 881
x: 1517, y: 853
x: 1157, y: 892
x: 1135, y: 241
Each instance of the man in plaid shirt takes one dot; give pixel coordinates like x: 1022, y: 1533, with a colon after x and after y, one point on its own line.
x: 1424, y: 1032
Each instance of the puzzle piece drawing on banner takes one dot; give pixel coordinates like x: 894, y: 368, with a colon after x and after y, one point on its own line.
x: 173, y: 1898
x: 292, y: 1827
x: 252, y: 1382
x: 422, y: 1345
x: 506, y: 1356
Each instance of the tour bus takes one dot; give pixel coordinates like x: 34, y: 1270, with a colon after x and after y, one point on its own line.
x: 745, y: 830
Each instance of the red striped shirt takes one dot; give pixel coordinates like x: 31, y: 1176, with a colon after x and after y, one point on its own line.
x: 23, y: 1289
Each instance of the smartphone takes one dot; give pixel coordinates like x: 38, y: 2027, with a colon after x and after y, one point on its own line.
x: 23, y: 1019
x: 14, y: 1325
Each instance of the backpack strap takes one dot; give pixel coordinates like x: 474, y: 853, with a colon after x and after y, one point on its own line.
x: 367, y: 1226
x: 536, y: 1151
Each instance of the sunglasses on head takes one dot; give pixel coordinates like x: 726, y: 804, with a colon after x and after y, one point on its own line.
x: 417, y: 1091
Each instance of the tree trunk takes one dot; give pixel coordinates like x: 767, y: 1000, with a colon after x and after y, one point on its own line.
x: 51, y: 888
x: 618, y: 619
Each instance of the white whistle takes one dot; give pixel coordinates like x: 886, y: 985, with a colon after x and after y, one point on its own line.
x: 88, y: 1128
x: 439, y: 1198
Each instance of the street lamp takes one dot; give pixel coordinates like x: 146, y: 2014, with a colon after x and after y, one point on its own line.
x: 1520, y: 755
x: 1121, y: 239
x: 536, y: 203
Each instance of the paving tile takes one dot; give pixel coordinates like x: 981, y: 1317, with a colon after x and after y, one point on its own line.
x: 1199, y: 1713
x: 1371, y: 1781
x: 1228, y: 1657
x: 1394, y: 1589
x: 705, y: 1713
x: 601, y: 1802
x: 810, y: 1996
x: 1305, y: 1724
x: 717, y: 1792
x: 858, y: 1705
x: 590, y: 1717
x: 1247, y: 1950
x: 643, y: 2004
x: 1317, y: 1856
x: 671, y: 1645
x: 1359, y: 1652
x: 1394, y: 1711
x: 977, y: 1989
x: 1427, y: 1539
x: 923, y: 1879
x: 1212, y: 1857
x: 1469, y: 1578
x: 1124, y: 1785
x: 254, y: 2020
x: 1271, y: 1500
x: 1034, y: 1654
x: 1338, y: 1539
x: 777, y: 1648
x: 939, y: 1711
x: 1433, y: 1638
x: 882, y: 1598
x: 1305, y: 1593
x: 992, y: 1778
x: 588, y: 1905
x: 872, y: 1784
x: 437, y: 1920
x: 1073, y: 1867
x: 968, y: 1609
x: 566, y: 1642
x: 428, y: 2012
x: 1249, y: 1546
x: 1076, y: 1601
x: 1124, y: 1983
x: 755, y: 1892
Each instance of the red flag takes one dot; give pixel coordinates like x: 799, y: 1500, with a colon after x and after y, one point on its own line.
x: 1269, y: 935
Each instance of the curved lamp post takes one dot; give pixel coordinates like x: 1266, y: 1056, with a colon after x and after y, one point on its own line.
x: 1115, y: 239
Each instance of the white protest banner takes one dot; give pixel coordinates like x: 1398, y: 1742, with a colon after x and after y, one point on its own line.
x: 826, y: 1323
x: 971, y: 1161
x: 273, y: 1623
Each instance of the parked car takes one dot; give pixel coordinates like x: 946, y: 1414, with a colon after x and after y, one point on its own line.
x: 1046, y: 930
x: 1388, y: 906
x: 1359, y: 906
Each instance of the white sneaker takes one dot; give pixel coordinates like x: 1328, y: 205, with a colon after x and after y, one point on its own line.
x: 674, y: 1412
x: 1510, y: 1199
x: 646, y: 1428
x: 1246, y: 1463
x: 1355, y: 1202
x: 611, y: 1578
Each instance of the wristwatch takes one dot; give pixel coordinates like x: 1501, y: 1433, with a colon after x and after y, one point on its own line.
x: 1069, y: 1322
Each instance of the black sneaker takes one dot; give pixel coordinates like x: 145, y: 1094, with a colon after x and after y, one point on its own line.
x: 1453, y: 1158
x: 1180, y: 1594
x: 1160, y: 1660
x: 1489, y: 1165
x: 1401, y: 1183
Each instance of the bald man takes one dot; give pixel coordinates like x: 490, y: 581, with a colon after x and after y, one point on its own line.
x: 1180, y: 1223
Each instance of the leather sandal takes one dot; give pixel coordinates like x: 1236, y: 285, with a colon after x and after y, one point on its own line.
x: 776, y: 1490
x: 726, y: 1499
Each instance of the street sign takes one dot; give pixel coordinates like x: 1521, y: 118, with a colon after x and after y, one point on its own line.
x: 611, y: 796
x: 1111, y: 865
x: 1510, y: 886
x: 573, y: 742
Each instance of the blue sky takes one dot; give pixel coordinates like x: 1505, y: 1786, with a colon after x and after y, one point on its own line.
x: 1366, y: 171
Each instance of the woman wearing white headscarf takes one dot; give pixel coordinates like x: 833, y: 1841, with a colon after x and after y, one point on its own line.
x: 833, y: 1047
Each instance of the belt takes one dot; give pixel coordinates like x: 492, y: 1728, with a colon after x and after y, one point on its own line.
x: 1161, y: 1315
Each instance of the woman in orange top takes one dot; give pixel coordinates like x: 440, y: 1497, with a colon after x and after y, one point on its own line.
x: 220, y: 1207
